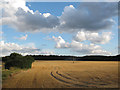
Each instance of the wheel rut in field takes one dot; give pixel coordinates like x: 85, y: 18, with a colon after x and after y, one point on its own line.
x: 73, y: 78
x: 58, y: 78
x: 67, y: 80
x: 63, y: 75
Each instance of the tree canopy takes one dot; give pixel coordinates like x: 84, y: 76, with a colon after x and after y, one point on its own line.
x: 17, y: 60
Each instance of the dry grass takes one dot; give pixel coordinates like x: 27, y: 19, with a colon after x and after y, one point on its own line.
x: 65, y: 74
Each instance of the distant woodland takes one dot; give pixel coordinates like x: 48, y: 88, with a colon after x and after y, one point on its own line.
x: 17, y: 60
x: 14, y: 57
x: 75, y: 58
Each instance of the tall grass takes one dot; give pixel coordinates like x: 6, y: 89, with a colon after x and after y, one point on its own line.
x: 8, y: 73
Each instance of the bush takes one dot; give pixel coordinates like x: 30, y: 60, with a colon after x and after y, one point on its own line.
x: 4, y: 59
x: 18, y: 61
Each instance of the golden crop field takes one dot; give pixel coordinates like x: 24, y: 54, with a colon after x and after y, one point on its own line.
x: 66, y: 74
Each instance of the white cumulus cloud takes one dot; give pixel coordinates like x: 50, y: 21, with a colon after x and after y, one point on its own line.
x: 93, y: 37
x: 79, y: 47
x: 28, y: 49
x: 60, y: 42
x: 94, y: 16
x: 88, y: 49
x: 19, y: 16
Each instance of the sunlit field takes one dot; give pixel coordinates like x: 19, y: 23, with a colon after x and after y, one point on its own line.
x: 66, y: 74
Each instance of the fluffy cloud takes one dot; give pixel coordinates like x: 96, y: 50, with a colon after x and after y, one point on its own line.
x: 22, y: 38
x: 60, y: 42
x: 88, y: 49
x: 80, y: 47
x: 88, y: 16
x: 7, y: 48
x: 94, y: 37
x: 35, y: 21
x: 19, y: 16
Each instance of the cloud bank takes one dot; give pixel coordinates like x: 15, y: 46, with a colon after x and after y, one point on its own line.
x: 79, y: 47
x: 88, y: 16
x: 88, y: 20
x: 29, y: 49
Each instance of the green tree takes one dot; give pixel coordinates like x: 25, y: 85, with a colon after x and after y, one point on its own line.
x: 19, y: 61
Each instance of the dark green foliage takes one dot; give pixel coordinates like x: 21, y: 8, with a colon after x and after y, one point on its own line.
x: 17, y: 60
x: 4, y: 59
x: 15, y: 55
x: 77, y: 58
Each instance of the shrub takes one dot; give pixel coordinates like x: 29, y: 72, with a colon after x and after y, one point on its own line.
x: 4, y: 59
x: 19, y: 61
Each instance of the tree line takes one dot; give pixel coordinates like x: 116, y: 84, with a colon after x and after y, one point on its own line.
x: 19, y: 61
x: 76, y: 58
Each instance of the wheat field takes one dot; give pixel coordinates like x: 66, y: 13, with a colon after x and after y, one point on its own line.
x: 66, y: 74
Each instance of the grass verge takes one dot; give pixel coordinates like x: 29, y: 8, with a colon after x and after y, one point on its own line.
x: 8, y: 73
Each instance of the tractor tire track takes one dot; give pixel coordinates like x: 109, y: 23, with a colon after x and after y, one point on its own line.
x: 67, y: 80
x: 76, y: 80
x: 63, y: 75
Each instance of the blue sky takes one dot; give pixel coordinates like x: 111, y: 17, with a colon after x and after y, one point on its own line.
x: 70, y: 28
x: 55, y: 8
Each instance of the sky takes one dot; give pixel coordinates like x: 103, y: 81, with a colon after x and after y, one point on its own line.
x: 59, y: 28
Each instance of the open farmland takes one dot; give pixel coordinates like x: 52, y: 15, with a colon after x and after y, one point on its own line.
x: 66, y: 74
